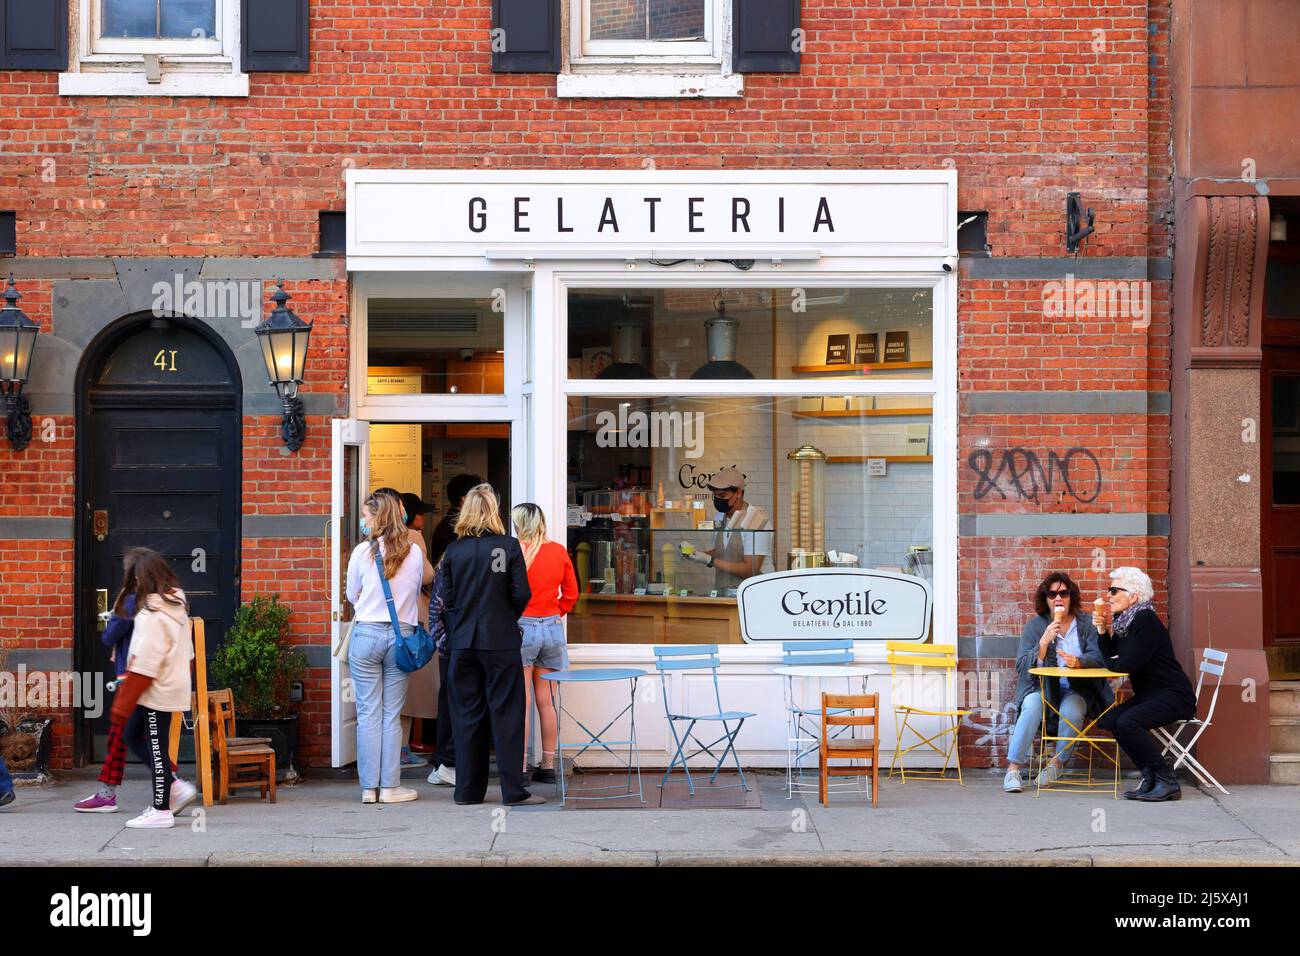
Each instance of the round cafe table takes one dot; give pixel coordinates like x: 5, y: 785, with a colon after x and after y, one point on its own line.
x: 804, y: 723
x: 1108, y: 747
x: 631, y: 761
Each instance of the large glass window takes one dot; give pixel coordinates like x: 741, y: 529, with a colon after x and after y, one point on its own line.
x: 673, y: 502
x: 159, y: 19
x: 422, y: 346
x: 736, y: 334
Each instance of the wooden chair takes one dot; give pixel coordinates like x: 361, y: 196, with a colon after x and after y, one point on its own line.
x: 242, y: 762
x: 843, y: 710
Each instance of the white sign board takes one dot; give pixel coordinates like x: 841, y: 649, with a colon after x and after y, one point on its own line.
x: 834, y: 603
x: 548, y: 214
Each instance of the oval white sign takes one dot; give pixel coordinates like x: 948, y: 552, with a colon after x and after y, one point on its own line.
x: 843, y: 603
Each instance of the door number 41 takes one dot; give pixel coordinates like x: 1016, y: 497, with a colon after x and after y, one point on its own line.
x: 165, y: 360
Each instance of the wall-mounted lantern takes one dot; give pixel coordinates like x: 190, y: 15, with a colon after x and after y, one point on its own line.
x: 17, y: 342
x: 284, y: 338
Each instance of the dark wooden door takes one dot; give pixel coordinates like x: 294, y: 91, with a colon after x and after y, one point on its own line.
x: 161, y: 470
x: 1280, y: 494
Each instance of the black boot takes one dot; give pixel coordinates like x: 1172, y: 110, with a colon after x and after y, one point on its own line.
x: 1166, y: 786
x: 1148, y: 781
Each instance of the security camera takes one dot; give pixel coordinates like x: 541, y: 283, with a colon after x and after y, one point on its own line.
x: 467, y: 355
x: 950, y: 263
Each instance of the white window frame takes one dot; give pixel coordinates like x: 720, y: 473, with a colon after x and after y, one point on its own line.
x: 583, y: 49
x: 117, y: 67
x: 173, y: 47
x: 648, y: 69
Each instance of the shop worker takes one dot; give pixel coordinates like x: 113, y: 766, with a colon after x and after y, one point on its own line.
x: 735, y: 554
x: 157, y: 688
x: 1060, y: 634
x: 1134, y: 641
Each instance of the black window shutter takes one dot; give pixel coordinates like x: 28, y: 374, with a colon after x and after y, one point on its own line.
x: 274, y: 36
x: 525, y: 36
x: 765, y: 36
x: 33, y: 34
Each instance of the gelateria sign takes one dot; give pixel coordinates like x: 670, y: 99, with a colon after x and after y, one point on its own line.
x: 549, y: 214
x: 834, y: 603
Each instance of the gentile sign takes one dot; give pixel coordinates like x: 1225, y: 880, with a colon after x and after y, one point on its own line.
x: 834, y: 603
x: 594, y: 213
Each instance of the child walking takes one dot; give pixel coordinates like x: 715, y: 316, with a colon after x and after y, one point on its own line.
x: 117, y: 637
x: 157, y: 683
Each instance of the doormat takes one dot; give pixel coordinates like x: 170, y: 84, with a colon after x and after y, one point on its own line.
x: 725, y: 794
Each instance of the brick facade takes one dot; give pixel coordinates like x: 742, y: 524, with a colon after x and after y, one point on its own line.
x: 1027, y: 101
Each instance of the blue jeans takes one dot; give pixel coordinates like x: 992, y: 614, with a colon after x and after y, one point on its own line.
x: 1073, y: 708
x: 6, y: 781
x: 543, y: 644
x: 380, y: 691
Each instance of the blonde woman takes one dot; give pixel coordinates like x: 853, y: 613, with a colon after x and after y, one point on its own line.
x: 485, y: 590
x: 379, y: 684
x: 555, y: 592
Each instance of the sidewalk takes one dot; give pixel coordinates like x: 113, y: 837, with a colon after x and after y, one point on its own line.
x: 323, y: 823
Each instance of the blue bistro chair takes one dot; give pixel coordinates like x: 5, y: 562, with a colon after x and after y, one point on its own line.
x: 698, y: 657
x: 802, y: 723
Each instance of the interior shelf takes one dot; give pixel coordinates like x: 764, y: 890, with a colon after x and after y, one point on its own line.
x: 866, y: 413
x: 866, y: 369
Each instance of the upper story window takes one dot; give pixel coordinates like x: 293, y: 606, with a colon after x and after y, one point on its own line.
x: 673, y: 31
x: 174, y: 27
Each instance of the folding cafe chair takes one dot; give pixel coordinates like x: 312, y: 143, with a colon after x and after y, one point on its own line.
x: 917, y: 662
x: 841, y: 710
x: 1213, y: 663
x: 802, y: 727
x: 698, y: 657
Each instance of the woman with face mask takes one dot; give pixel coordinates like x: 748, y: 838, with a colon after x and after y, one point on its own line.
x: 372, y: 646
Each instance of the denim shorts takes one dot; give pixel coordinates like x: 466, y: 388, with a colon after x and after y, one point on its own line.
x: 544, y: 643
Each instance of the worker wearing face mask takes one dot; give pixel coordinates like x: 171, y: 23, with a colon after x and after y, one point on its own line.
x: 736, y: 553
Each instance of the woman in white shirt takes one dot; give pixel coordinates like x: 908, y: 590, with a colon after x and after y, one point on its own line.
x: 379, y: 684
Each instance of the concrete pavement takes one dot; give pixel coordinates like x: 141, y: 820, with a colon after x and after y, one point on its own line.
x: 322, y: 822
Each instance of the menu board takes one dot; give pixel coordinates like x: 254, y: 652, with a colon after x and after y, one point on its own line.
x: 866, y: 349
x: 896, y: 346
x: 837, y: 349
x: 395, y: 449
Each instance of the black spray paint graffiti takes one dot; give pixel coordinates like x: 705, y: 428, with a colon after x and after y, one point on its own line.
x: 1022, y: 473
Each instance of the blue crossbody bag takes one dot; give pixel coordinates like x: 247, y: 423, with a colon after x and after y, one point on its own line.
x: 415, y: 651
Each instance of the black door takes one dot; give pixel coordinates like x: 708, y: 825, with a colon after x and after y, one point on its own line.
x: 160, y: 468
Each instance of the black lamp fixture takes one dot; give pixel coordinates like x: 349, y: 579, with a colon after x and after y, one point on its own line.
x: 284, y: 338
x: 720, y: 335
x: 17, y: 342
x: 1078, y: 222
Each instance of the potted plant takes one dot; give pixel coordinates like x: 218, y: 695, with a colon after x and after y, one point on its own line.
x: 260, y: 667
x: 24, y: 739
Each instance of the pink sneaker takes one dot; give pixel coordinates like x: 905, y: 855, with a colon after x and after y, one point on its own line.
x: 96, y: 804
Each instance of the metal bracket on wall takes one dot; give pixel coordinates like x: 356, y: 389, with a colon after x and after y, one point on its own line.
x: 152, y: 68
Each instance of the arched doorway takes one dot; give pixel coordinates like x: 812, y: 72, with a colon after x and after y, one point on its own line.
x: 158, y: 466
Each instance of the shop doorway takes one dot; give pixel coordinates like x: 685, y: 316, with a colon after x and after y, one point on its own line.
x: 158, y: 466
x: 1280, y: 443
x: 420, y: 458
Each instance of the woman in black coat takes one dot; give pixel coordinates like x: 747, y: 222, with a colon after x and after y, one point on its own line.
x: 485, y: 589
x: 1134, y: 641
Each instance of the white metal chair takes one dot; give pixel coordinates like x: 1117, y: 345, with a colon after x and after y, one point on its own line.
x: 1213, y: 663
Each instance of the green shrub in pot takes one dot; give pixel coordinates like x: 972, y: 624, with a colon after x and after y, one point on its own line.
x: 256, y: 660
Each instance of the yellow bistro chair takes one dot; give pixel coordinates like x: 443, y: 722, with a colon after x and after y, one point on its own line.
x: 917, y: 662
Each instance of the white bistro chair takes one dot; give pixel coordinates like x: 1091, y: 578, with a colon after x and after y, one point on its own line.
x: 1213, y: 663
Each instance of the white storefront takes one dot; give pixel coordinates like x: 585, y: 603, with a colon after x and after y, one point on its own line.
x: 527, y: 279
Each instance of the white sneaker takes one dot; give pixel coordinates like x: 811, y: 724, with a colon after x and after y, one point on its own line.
x: 182, y: 794
x: 1051, y: 773
x: 443, y: 776
x: 369, y: 796
x: 153, y: 819
x: 1012, y: 783
x: 397, y: 795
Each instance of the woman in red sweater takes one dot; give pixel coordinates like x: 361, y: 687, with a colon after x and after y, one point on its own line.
x: 555, y: 592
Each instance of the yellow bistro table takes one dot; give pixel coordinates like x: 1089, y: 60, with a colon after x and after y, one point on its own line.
x: 1108, y: 747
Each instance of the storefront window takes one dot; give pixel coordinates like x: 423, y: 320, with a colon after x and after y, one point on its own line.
x: 812, y: 334
x: 673, y: 502
x: 423, y: 346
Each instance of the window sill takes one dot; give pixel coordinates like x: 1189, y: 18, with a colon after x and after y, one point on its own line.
x: 174, y: 83
x: 646, y: 85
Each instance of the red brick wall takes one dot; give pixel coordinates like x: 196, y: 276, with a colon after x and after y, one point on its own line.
x: 1026, y: 100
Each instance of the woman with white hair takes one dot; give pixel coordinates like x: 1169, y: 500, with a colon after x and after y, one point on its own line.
x: 1134, y: 641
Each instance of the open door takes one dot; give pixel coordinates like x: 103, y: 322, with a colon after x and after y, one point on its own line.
x: 350, y: 468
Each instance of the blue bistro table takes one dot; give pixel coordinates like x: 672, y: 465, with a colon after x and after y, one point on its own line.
x: 632, y: 762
